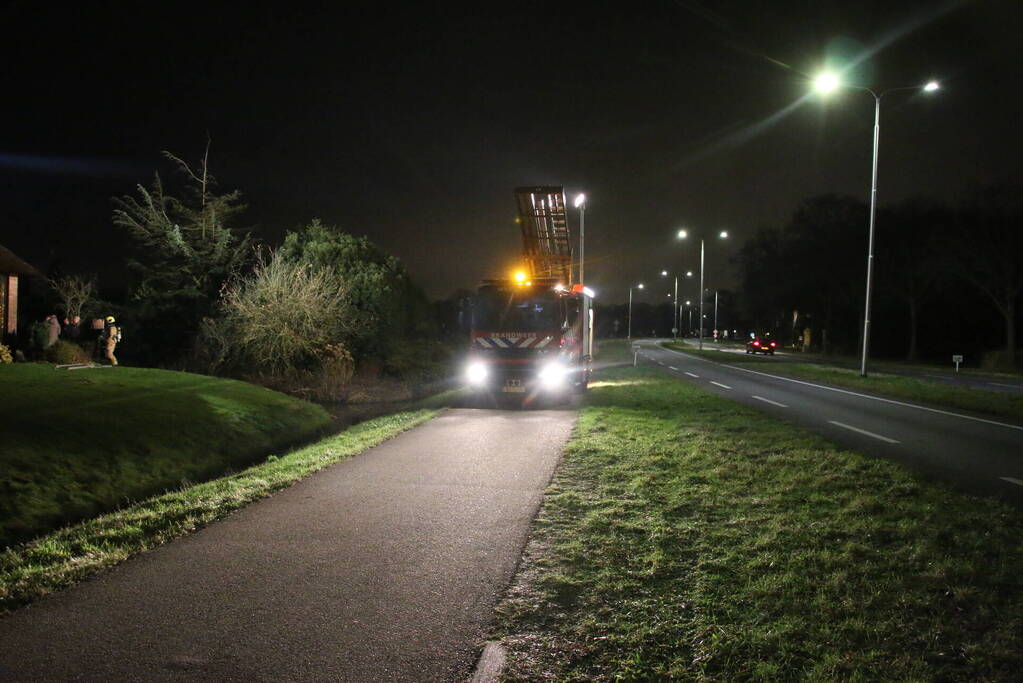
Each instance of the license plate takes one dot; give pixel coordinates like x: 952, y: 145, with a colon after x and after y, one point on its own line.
x: 514, y: 386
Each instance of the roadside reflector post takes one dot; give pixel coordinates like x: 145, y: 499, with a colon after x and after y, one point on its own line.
x: 635, y: 354
x: 957, y: 359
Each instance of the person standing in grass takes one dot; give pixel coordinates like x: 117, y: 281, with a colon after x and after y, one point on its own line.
x: 111, y: 335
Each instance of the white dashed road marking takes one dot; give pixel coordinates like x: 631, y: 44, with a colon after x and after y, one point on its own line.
x: 773, y: 403
x: 672, y: 367
x: 1011, y: 480
x: 723, y: 386
x: 692, y: 375
x: 862, y: 431
x: 999, y: 384
x: 853, y: 393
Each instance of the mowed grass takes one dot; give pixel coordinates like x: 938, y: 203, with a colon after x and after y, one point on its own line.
x: 64, y: 557
x: 1000, y: 403
x: 687, y: 537
x: 78, y: 443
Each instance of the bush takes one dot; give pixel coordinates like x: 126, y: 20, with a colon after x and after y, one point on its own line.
x: 5, y: 355
x: 65, y: 353
x: 280, y: 318
x: 998, y: 361
x: 419, y: 361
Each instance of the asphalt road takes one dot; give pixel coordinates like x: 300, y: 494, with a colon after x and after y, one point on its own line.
x: 383, y: 567
x: 973, y: 378
x: 978, y: 454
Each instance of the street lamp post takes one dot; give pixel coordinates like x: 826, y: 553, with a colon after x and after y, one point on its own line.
x: 827, y: 83
x: 639, y: 286
x: 682, y: 234
x: 674, y: 314
x: 715, y: 315
x: 580, y: 203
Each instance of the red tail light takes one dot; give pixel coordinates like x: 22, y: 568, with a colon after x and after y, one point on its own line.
x: 773, y: 344
x: 756, y: 343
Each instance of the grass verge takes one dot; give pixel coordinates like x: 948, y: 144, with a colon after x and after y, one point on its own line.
x: 999, y: 403
x: 79, y: 443
x: 64, y: 557
x: 687, y: 537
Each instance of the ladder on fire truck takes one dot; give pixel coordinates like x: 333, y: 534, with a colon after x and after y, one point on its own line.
x: 546, y: 241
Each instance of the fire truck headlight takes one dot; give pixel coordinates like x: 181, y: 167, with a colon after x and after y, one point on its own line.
x: 553, y: 375
x: 476, y: 373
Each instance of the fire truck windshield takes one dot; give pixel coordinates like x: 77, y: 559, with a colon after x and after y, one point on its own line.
x: 522, y: 310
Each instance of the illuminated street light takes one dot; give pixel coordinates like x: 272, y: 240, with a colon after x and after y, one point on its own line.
x: 682, y: 235
x: 824, y: 84
x: 639, y: 286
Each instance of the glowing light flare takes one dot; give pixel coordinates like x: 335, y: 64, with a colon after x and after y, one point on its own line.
x: 723, y: 234
x: 520, y: 276
x: 476, y: 373
x: 553, y: 375
x: 826, y: 83
x: 682, y: 234
x: 932, y: 86
x: 580, y: 199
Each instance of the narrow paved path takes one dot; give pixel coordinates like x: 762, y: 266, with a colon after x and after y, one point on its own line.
x: 383, y: 567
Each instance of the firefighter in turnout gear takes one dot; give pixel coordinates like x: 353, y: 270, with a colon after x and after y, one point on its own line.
x: 111, y: 335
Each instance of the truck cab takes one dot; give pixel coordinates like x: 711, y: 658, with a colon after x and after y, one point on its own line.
x: 526, y: 339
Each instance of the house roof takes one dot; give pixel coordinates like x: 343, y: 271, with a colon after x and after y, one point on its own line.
x: 10, y: 263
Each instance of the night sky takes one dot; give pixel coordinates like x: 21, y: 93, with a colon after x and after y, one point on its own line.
x: 414, y: 126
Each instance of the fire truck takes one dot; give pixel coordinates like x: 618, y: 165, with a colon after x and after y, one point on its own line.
x: 532, y: 332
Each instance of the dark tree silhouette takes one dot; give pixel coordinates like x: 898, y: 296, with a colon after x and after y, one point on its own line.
x: 988, y: 252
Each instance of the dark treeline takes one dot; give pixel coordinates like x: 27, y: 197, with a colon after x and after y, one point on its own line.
x: 947, y: 278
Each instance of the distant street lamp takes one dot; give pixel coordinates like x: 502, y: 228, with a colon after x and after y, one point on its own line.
x: 639, y: 286
x: 715, y: 315
x: 676, y: 317
x: 825, y: 84
x: 580, y: 203
x: 683, y: 234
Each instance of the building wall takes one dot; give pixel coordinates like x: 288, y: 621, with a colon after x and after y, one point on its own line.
x: 9, y: 303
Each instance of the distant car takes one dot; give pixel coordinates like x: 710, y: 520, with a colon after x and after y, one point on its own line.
x: 761, y: 345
